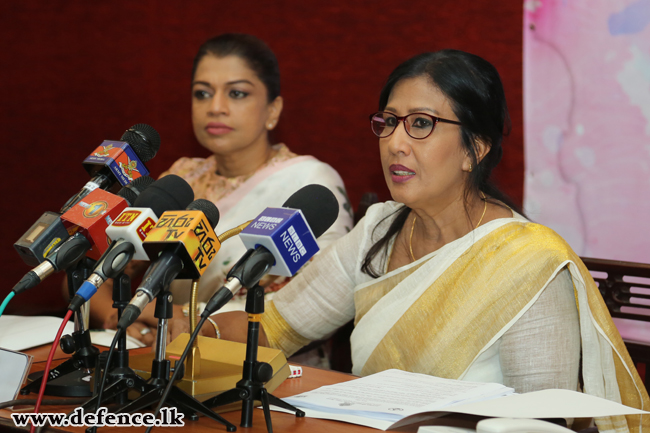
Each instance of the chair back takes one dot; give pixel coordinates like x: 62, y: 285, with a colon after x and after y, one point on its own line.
x: 625, y: 287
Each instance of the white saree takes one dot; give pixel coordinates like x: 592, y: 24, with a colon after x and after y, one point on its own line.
x: 268, y: 187
x: 444, y: 313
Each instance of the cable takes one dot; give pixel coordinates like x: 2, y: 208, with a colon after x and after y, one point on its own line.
x: 50, y: 357
x: 108, y: 364
x: 6, y: 301
x: 177, y: 368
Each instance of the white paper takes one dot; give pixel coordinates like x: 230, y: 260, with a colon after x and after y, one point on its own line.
x: 549, y: 403
x: 395, y: 398
x: 104, y: 337
x: 394, y: 394
x: 24, y: 332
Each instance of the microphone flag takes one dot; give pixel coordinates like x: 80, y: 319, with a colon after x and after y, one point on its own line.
x: 91, y: 216
x: 192, y: 230
x: 120, y: 158
x: 133, y: 225
x: 286, y: 234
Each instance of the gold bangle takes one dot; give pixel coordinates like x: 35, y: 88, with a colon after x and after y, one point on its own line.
x: 216, y: 327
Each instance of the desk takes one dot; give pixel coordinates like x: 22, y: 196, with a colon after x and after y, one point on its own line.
x: 282, y: 423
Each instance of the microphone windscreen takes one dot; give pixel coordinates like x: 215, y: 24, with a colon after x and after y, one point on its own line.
x: 208, y: 208
x: 144, y: 140
x: 140, y: 184
x: 129, y: 195
x: 131, y: 191
x: 318, y: 205
x: 167, y: 193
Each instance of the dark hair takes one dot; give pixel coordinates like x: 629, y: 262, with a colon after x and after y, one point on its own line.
x: 476, y: 94
x: 255, y: 52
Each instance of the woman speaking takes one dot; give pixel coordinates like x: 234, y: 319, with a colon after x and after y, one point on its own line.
x: 449, y: 279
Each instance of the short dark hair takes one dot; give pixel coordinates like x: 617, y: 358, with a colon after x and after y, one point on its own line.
x: 474, y: 89
x: 255, y: 52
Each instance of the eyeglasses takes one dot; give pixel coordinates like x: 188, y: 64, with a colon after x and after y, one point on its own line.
x: 417, y: 125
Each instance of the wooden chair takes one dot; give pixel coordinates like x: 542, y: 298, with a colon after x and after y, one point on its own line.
x: 625, y: 287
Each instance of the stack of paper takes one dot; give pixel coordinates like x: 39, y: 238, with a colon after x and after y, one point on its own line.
x: 394, y: 398
x: 381, y: 399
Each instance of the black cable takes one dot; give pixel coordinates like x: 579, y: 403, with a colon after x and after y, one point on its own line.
x: 177, y: 368
x: 108, y: 365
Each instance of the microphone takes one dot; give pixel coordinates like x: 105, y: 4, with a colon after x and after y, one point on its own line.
x: 91, y: 216
x: 185, y: 244
x: 47, y: 234
x: 118, y: 161
x: 79, y: 243
x: 133, y: 224
x: 130, y: 229
x: 43, y: 236
x: 280, y: 241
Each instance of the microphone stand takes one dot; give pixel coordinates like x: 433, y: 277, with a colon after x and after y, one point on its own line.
x: 120, y: 376
x: 255, y: 373
x: 160, y: 368
x: 67, y: 379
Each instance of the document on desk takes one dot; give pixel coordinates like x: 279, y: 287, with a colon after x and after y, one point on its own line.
x: 23, y: 332
x: 394, y: 398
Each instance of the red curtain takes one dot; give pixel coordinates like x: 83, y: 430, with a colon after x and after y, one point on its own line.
x: 75, y: 73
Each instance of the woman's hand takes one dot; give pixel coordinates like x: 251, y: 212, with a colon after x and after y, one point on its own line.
x: 139, y: 330
x: 233, y: 326
x: 181, y: 325
x: 143, y: 333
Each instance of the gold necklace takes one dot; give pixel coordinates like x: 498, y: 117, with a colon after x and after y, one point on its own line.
x: 484, y: 209
x: 411, y: 237
x: 415, y: 218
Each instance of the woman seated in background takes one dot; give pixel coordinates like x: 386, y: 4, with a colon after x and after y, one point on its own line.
x: 449, y: 279
x: 236, y: 102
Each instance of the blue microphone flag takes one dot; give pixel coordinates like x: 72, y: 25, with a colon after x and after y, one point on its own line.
x: 286, y: 234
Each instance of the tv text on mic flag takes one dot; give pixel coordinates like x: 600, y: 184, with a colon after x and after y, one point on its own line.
x: 130, y: 229
x: 184, y: 243
x: 133, y: 224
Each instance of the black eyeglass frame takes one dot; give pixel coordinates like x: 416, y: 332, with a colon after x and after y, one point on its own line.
x: 402, y: 119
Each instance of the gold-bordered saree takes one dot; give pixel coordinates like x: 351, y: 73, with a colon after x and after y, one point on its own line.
x: 469, y: 293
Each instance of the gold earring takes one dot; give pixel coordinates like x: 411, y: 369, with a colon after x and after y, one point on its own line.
x: 470, y: 167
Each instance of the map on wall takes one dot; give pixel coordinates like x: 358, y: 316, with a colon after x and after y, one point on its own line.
x: 587, y: 124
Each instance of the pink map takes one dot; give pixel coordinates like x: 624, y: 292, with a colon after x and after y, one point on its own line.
x: 587, y: 124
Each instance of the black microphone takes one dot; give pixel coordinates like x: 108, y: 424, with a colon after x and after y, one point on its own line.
x: 118, y: 161
x: 281, y: 241
x: 129, y: 230
x: 109, y: 162
x: 186, y: 242
x: 87, y: 232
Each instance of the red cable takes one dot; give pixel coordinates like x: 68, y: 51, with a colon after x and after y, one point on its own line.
x: 50, y: 357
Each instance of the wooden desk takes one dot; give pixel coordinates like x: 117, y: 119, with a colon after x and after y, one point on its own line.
x: 312, y: 378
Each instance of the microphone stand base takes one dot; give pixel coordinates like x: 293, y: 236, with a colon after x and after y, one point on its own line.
x: 254, y: 372
x: 74, y: 383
